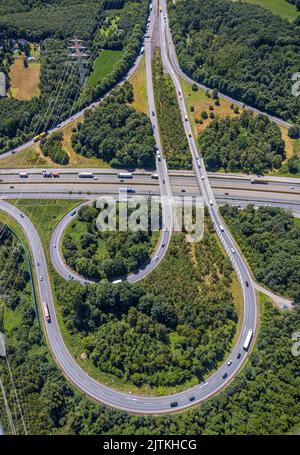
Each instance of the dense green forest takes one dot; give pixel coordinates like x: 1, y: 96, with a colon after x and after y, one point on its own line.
x: 98, y: 254
x: 173, y: 137
x: 174, y: 327
x: 247, y: 143
x: 62, y: 88
x: 52, y: 146
x: 240, y: 49
x: 116, y: 133
x: 261, y: 400
x: 270, y: 239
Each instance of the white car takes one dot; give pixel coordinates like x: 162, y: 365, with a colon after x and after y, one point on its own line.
x: 232, y: 250
x: 156, y: 258
x: 229, y: 363
x: 292, y: 187
x: 41, y: 278
x: 54, y: 246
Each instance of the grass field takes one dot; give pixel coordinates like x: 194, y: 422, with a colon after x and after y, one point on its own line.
x: 139, y: 83
x: 200, y: 102
x: 103, y: 65
x: 24, y: 81
x: 280, y: 7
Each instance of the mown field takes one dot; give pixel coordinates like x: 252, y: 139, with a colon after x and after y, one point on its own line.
x: 103, y: 65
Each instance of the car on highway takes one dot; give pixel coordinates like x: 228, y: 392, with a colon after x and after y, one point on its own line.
x: 95, y: 178
x: 239, y: 355
x: 221, y: 228
x: 226, y: 193
x: 156, y: 258
x: 21, y: 215
x: 202, y: 177
x: 229, y: 362
x: 183, y: 190
x: 224, y: 375
x: 163, y: 245
x: 11, y: 187
x: 232, y: 250
x: 54, y: 246
x: 73, y: 213
x: 153, y: 113
x: 41, y: 278
x: 190, y: 134
x: 192, y: 398
x: 292, y: 187
x: 247, y: 284
x: 71, y: 277
x: 173, y: 404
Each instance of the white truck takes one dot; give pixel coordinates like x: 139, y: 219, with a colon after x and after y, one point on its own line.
x: 248, y: 340
x: 85, y: 175
x: 46, y: 311
x: 125, y: 175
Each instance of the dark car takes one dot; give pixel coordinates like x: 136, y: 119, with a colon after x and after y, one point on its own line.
x: 247, y: 284
x: 192, y: 398
x: 174, y: 404
x: 224, y: 375
x: 183, y: 191
x: 153, y: 113
x: 239, y: 355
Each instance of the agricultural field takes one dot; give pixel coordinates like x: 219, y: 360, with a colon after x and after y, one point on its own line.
x: 24, y: 82
x: 280, y: 7
x: 103, y: 66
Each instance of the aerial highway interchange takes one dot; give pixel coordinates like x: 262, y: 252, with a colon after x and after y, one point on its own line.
x: 216, y: 189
